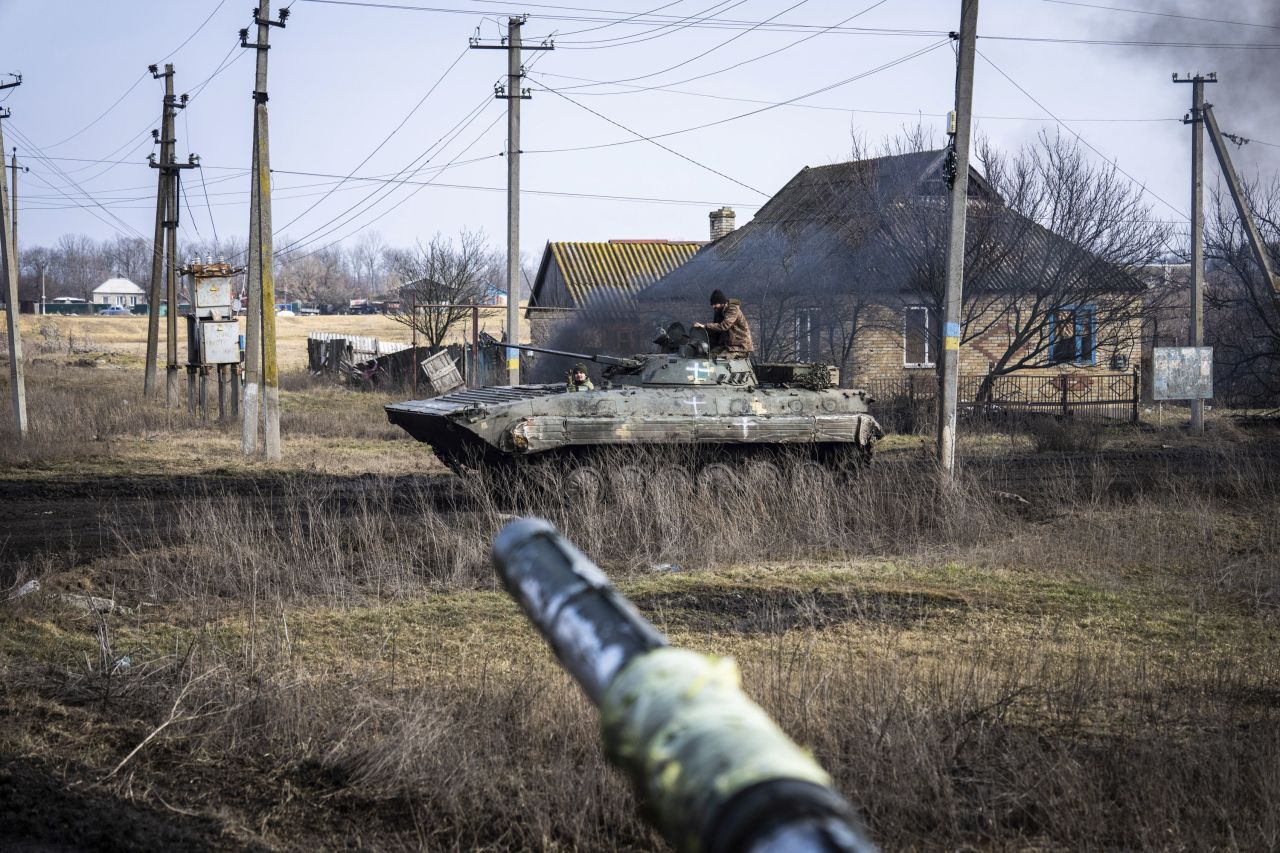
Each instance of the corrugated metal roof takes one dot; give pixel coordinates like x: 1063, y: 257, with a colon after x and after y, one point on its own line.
x: 613, y: 271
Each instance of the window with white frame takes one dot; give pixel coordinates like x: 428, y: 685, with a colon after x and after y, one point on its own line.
x: 1073, y: 331
x: 917, y: 337
x: 807, y: 325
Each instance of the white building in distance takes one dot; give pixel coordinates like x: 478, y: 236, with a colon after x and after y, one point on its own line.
x: 119, y: 291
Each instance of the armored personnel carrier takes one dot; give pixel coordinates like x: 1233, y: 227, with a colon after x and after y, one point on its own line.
x: 722, y: 408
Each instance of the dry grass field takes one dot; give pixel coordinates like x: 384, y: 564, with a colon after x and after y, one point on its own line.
x: 314, y: 655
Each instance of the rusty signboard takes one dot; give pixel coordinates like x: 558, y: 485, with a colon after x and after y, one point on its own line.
x: 1182, y: 373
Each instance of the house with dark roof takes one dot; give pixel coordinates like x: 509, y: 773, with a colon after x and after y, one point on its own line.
x: 846, y: 265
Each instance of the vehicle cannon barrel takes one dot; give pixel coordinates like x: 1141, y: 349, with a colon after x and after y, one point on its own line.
x: 714, y: 772
x: 610, y: 360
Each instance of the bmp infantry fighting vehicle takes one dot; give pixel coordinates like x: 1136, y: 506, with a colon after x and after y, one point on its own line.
x: 722, y: 408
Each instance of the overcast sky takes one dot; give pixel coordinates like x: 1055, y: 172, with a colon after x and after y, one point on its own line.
x: 345, y: 77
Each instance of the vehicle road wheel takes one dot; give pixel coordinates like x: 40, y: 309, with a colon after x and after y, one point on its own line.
x: 628, y: 480
x: 718, y: 478
x: 670, y: 481
x: 584, y: 484
x: 809, y: 476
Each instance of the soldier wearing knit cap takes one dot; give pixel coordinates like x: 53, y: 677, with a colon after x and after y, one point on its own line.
x: 577, y: 380
x: 730, y: 332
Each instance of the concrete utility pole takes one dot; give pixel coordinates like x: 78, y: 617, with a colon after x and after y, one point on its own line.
x: 13, y: 210
x: 9, y: 265
x: 261, y: 281
x: 953, y: 302
x: 1196, y: 119
x: 162, y: 214
x: 1260, y: 252
x: 513, y: 94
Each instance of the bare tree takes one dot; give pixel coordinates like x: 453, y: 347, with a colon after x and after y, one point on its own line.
x: 1242, y: 321
x: 1053, y: 247
x: 441, y: 281
x: 317, y: 277
x: 368, y: 263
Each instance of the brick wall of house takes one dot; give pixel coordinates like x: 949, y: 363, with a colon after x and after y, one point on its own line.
x: 879, y: 352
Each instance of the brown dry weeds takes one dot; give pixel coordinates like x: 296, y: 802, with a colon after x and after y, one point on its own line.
x: 326, y: 662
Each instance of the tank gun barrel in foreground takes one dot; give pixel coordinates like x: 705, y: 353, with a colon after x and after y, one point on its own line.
x: 610, y: 360
x: 714, y: 771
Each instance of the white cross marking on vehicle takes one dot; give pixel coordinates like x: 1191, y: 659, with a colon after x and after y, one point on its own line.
x: 745, y: 424
x: 698, y: 371
x: 695, y: 401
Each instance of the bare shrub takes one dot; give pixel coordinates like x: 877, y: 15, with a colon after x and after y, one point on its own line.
x: 959, y: 744
x: 1064, y: 435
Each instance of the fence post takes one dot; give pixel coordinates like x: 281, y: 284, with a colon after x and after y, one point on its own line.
x: 336, y: 347
x: 1066, y: 410
x: 1137, y: 393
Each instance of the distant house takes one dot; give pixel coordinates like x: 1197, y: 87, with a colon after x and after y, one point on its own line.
x: 575, y: 275
x: 119, y: 291
x: 845, y: 265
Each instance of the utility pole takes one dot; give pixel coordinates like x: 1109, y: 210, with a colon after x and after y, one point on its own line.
x: 1260, y: 252
x: 165, y: 138
x: 13, y: 211
x: 513, y: 94
x: 958, y: 177
x: 261, y: 283
x: 1196, y: 119
x: 9, y: 265
x: 174, y: 169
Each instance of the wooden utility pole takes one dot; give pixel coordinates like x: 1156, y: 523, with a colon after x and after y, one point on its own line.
x: 953, y: 301
x: 513, y: 94
x: 1196, y: 119
x: 261, y: 285
x: 9, y: 266
x: 162, y: 213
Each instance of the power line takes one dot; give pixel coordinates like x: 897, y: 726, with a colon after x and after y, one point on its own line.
x: 441, y: 143
x: 1162, y: 14
x: 827, y: 107
x: 709, y: 14
x: 1207, y: 45
x: 404, y: 200
x: 135, y: 83
x: 661, y: 31
x: 208, y: 207
x: 553, y: 193
x: 641, y: 137
x: 38, y: 153
x: 656, y: 29
x: 444, y: 140
x: 385, y: 139
x: 773, y: 105
x: 1141, y: 186
x: 706, y: 23
x: 736, y: 65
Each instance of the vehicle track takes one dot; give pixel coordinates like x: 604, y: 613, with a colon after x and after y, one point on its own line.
x: 78, y: 517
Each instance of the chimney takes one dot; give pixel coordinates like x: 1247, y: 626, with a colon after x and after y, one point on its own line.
x: 721, y: 222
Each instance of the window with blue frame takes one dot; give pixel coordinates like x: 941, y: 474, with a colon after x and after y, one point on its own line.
x: 1073, y: 332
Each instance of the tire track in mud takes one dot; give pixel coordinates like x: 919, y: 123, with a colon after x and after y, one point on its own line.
x: 77, y: 518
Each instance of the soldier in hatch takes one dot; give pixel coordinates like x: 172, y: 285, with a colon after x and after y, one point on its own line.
x: 730, y: 332
x: 578, y: 379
